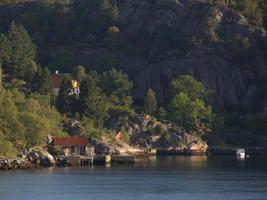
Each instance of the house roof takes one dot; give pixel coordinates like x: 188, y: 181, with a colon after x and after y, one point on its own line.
x: 69, y: 141
x: 57, y: 80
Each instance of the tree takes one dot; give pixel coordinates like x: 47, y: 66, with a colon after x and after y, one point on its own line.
x: 194, y: 116
x: 181, y: 110
x: 37, y: 128
x: 107, y: 15
x: 7, y: 149
x: 150, y: 103
x: 192, y: 88
x: 10, y: 124
x: 43, y: 81
x: 5, y: 50
x: 78, y: 73
x: 93, y: 103
x: 117, y: 87
x: 116, y: 83
x: 23, y: 53
x: 64, y: 99
x: 187, y: 107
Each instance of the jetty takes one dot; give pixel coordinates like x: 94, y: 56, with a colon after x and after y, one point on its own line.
x: 95, y: 160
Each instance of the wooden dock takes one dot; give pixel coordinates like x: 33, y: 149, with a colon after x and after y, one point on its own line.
x: 97, y: 160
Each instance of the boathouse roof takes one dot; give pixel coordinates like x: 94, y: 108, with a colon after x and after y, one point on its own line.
x: 69, y: 141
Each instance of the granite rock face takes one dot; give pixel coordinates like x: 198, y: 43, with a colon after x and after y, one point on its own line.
x: 201, y: 43
x: 147, y: 132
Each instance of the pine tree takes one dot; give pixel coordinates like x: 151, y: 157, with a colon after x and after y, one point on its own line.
x: 5, y: 50
x: 23, y: 53
x: 150, y: 103
x: 64, y: 100
x: 93, y: 102
x: 116, y: 83
x: 43, y: 81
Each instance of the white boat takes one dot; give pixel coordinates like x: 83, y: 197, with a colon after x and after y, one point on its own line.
x: 241, y: 153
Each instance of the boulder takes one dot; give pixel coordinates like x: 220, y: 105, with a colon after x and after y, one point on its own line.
x: 41, y: 157
x: 147, y: 132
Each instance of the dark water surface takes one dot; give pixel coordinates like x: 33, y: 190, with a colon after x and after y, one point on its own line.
x: 172, y: 178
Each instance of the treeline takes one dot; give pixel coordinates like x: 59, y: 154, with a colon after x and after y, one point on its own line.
x: 26, y: 114
x: 25, y: 121
x: 30, y: 111
x: 102, y: 94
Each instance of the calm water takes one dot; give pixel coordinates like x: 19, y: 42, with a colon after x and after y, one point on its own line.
x: 169, y: 178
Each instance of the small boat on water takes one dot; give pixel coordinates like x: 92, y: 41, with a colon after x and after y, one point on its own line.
x: 240, y: 153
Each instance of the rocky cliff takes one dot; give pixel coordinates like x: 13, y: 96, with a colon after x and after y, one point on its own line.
x: 144, y: 131
x: 213, y: 43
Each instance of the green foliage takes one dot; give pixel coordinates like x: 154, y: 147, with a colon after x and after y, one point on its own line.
x: 181, y: 110
x: 192, y: 88
x: 36, y: 128
x: 23, y: 53
x: 93, y: 103
x: 89, y: 130
x: 79, y: 74
x: 115, y: 83
x: 42, y: 82
x: 6, y: 147
x: 117, y: 88
x: 187, y: 107
x: 150, y: 103
x: 18, y: 53
x: 25, y: 122
x: 64, y: 99
x: 95, y: 16
x: 5, y: 49
x: 68, y: 28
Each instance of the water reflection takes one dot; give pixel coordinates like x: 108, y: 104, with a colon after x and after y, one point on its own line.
x: 185, y: 178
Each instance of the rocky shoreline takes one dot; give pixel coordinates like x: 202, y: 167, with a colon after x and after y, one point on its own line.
x: 42, y: 159
x: 29, y: 159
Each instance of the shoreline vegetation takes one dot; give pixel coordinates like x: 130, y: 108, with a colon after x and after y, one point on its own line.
x: 44, y: 92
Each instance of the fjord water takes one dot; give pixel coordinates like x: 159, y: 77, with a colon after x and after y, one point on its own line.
x: 185, y: 178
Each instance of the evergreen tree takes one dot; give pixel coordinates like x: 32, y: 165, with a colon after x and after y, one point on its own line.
x: 93, y: 102
x: 106, y: 16
x: 192, y: 88
x: 23, y: 53
x: 116, y: 83
x: 150, y: 103
x: 64, y: 99
x: 5, y: 50
x: 43, y: 81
